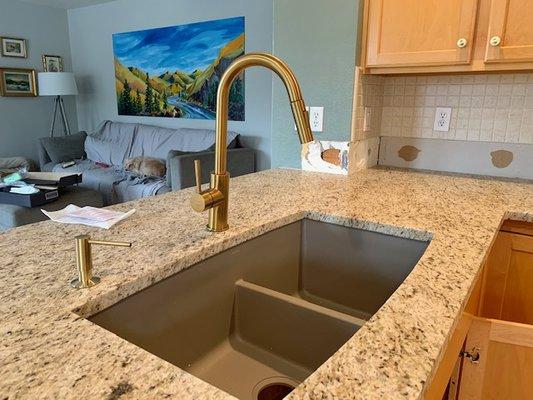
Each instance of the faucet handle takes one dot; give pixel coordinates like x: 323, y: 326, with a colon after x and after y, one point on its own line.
x: 198, y: 175
x: 110, y: 243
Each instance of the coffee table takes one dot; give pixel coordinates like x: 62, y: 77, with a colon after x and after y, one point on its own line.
x: 12, y: 216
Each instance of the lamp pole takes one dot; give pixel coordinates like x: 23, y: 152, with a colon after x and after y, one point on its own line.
x: 58, y: 84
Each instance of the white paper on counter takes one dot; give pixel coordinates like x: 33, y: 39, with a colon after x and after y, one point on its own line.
x: 72, y: 214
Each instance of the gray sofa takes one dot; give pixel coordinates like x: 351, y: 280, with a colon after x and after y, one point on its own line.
x: 100, y: 157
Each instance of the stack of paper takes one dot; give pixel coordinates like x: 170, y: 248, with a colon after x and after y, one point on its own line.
x: 90, y: 216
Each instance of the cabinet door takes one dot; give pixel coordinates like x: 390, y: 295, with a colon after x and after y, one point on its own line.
x: 510, y: 34
x: 504, y: 369
x: 415, y: 33
x: 507, y: 291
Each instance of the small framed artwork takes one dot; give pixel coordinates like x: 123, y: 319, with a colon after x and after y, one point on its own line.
x: 13, y: 47
x: 52, y: 63
x: 17, y: 82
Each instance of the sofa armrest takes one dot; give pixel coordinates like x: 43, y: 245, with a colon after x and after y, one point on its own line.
x: 44, y: 158
x: 180, y: 166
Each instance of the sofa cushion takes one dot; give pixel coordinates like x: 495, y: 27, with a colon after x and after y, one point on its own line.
x: 116, y: 130
x: 108, y: 151
x: 153, y: 141
x: 12, y: 164
x: 48, y: 167
x: 111, y: 143
x: 65, y: 148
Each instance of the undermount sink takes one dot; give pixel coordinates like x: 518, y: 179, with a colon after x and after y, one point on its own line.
x: 257, y: 319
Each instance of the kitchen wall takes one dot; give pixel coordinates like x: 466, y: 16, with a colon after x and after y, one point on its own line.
x: 491, y: 129
x: 317, y: 38
x: 25, y: 119
x: 91, y: 30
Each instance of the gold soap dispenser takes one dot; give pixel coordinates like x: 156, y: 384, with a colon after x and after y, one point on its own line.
x: 84, y: 262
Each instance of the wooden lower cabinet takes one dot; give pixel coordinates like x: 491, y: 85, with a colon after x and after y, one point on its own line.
x: 490, y: 354
x: 508, y: 286
x: 504, y: 370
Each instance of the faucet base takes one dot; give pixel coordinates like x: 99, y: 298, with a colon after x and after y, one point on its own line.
x: 208, y: 228
x: 77, y: 284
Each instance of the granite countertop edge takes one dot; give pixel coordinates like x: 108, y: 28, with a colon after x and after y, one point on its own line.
x: 48, y: 341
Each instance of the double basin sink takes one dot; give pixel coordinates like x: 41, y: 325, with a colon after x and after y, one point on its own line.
x: 259, y: 318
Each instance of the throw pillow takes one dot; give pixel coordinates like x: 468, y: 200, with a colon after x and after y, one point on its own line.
x: 65, y: 148
x: 145, y: 166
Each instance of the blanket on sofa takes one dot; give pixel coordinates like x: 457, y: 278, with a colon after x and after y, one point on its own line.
x: 114, y: 183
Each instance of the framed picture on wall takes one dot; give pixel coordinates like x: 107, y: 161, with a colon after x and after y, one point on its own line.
x: 174, y: 71
x: 13, y: 47
x: 52, y: 63
x: 17, y: 82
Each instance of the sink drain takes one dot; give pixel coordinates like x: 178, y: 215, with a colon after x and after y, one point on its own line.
x: 274, y: 388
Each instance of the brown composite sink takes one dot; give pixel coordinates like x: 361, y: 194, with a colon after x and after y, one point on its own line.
x: 257, y: 319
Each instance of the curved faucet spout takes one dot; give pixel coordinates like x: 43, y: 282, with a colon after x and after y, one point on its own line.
x: 275, y: 64
x: 215, y: 199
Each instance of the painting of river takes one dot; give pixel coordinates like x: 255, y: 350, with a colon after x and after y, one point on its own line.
x: 174, y: 71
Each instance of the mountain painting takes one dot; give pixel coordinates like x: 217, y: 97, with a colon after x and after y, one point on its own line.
x: 174, y: 71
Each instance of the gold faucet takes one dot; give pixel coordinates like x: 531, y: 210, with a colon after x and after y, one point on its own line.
x: 84, y: 262
x: 215, y: 199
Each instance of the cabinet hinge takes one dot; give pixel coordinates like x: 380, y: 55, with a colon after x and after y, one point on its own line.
x: 472, y: 355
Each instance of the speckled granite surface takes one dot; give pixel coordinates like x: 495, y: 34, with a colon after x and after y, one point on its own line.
x: 48, y: 351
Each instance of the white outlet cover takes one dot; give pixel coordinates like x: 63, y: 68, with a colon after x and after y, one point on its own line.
x: 316, y: 118
x: 443, y: 115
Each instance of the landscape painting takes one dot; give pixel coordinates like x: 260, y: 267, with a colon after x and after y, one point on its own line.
x: 17, y: 82
x: 174, y: 71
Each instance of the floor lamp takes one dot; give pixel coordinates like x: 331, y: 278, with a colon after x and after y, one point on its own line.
x: 58, y: 84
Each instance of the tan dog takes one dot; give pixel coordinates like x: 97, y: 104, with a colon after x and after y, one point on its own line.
x: 146, y: 166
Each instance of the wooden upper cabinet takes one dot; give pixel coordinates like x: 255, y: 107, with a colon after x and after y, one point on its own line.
x: 414, y: 32
x: 510, y: 32
x: 439, y: 36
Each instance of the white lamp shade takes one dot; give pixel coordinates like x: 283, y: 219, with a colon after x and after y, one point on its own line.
x: 57, y: 84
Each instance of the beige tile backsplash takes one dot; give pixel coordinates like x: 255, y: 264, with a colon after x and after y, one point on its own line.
x: 488, y: 107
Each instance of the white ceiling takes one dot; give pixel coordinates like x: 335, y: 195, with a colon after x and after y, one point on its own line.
x: 67, y: 4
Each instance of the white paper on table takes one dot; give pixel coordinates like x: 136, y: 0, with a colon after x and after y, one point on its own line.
x: 72, y: 214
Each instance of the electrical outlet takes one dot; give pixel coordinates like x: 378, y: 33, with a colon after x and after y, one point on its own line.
x: 367, y: 119
x: 443, y: 116
x: 316, y: 118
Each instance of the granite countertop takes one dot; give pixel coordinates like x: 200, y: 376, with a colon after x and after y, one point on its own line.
x: 49, y: 350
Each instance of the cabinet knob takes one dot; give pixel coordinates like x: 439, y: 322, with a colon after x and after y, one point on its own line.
x: 495, y: 41
x: 462, y: 43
